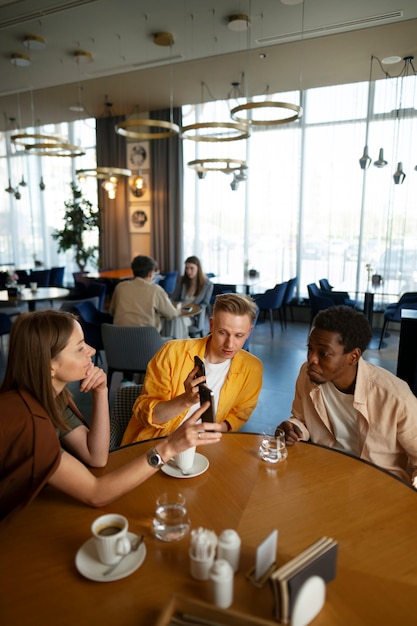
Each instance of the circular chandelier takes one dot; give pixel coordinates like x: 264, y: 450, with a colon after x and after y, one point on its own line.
x: 247, y: 109
x: 110, y: 176
x: 46, y: 145
x: 136, y: 129
x: 57, y: 149
x: 216, y: 131
x: 227, y: 166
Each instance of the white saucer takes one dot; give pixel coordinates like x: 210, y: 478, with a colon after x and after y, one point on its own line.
x: 200, y: 465
x: 89, y: 566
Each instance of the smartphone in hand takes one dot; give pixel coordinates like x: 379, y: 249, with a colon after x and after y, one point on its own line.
x: 206, y: 395
x: 201, y: 368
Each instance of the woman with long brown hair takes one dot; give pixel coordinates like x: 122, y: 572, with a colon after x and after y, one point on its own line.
x: 43, y: 438
x: 193, y: 286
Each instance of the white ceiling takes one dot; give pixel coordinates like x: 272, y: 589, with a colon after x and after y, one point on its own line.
x: 327, y: 42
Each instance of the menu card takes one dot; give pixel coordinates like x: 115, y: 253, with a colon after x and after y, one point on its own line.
x: 319, y: 559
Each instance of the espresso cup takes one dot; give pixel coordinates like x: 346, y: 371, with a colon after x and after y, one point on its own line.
x: 33, y: 287
x: 110, y: 536
x: 185, y: 460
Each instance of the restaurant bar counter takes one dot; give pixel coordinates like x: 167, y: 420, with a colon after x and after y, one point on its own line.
x: 315, y: 492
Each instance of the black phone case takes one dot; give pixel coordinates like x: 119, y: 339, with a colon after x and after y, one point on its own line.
x: 206, y: 395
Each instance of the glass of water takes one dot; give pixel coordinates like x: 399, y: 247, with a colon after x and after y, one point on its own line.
x: 171, y: 522
x: 273, y: 448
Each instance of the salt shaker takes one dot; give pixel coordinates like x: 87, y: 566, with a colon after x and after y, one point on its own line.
x: 229, y: 548
x: 221, y: 580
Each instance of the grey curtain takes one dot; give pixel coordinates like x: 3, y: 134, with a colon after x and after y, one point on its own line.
x: 167, y: 196
x: 114, y: 218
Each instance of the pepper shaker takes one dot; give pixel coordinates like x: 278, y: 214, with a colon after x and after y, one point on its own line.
x: 229, y: 548
x: 221, y: 580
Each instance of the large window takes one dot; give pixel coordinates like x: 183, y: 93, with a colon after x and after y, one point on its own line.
x: 29, y: 214
x: 307, y: 208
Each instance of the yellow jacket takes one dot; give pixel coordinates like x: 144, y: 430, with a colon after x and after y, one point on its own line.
x: 165, y: 380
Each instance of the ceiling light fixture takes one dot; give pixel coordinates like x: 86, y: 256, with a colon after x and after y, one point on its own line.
x: 238, y: 23
x: 20, y: 60
x: 269, y: 112
x: 34, y: 42
x: 57, y: 149
x: 227, y: 166
x: 110, y: 176
x: 137, y: 185
x: 145, y: 128
x: 215, y: 131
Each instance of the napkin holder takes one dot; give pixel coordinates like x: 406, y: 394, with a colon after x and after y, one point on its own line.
x: 299, y: 585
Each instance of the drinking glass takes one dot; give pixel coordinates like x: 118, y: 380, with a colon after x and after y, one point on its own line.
x: 171, y: 522
x: 273, y: 448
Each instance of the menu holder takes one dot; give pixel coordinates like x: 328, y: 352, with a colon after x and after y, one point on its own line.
x: 318, y: 560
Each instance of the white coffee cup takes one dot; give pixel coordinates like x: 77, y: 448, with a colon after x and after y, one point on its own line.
x: 110, y: 535
x: 33, y: 286
x: 185, y: 460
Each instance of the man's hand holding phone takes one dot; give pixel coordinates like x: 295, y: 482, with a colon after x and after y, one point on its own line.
x: 206, y: 395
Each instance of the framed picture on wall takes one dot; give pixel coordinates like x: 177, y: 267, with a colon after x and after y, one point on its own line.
x: 140, y: 192
x: 138, y: 156
x: 140, y: 218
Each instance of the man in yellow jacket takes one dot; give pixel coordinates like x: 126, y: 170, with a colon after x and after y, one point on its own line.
x: 170, y: 390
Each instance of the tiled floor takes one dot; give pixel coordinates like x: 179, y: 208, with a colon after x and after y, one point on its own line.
x: 282, y: 357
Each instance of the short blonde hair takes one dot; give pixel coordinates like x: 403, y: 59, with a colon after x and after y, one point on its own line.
x: 235, y: 303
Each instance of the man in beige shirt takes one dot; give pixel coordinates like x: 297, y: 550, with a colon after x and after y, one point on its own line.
x: 347, y: 403
x: 140, y: 302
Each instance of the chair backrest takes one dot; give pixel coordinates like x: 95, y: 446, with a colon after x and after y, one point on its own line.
x: 69, y: 305
x: 42, y: 277
x: 325, y: 285
x: 290, y: 290
x: 168, y: 281
x: 313, y: 290
x: 57, y: 277
x: 96, y: 288
x: 87, y: 311
x: 272, y: 298
x: 122, y: 412
x: 5, y: 324
x: 318, y: 302
x: 409, y: 296
x: 23, y: 277
x: 129, y: 348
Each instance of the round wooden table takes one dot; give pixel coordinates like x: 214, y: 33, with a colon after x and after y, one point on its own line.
x: 316, y: 492
x: 31, y: 297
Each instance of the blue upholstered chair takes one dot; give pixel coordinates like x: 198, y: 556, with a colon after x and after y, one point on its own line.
x: 272, y: 300
x: 91, y: 320
x: 168, y: 281
x: 393, y: 311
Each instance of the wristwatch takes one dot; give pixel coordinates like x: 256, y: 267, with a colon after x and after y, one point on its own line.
x: 154, y: 458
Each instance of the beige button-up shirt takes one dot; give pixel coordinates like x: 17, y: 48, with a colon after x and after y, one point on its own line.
x: 387, y: 418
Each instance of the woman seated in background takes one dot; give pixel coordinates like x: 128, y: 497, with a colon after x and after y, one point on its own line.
x: 43, y: 438
x: 193, y: 287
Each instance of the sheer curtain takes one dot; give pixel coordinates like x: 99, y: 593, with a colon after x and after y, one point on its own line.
x: 307, y: 208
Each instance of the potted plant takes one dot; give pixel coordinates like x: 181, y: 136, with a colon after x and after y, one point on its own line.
x: 80, y: 217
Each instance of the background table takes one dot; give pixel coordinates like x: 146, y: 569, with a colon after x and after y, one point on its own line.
x: 40, y: 295
x: 315, y: 492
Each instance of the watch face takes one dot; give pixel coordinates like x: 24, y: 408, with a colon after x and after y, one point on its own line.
x: 154, y: 458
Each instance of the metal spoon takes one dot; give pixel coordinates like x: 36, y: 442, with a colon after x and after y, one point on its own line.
x: 134, y: 546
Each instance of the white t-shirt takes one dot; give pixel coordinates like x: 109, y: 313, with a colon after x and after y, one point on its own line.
x: 343, y: 417
x: 215, y: 376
